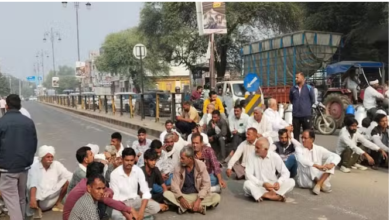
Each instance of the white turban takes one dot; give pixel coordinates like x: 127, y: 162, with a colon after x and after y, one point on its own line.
x: 43, y: 150
x: 94, y: 148
x: 374, y: 82
x: 380, y: 111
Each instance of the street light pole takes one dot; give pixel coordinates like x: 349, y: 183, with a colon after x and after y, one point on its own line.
x: 42, y: 54
x: 77, y: 6
x: 52, y: 35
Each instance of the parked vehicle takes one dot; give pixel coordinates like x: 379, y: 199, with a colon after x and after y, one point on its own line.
x: 125, y: 100
x: 150, y: 104
x: 322, y: 122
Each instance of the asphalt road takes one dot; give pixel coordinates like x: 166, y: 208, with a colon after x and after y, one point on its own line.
x: 360, y: 195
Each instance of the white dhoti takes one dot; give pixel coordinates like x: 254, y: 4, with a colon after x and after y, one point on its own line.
x: 306, y: 176
x: 251, y: 189
x: 47, y: 198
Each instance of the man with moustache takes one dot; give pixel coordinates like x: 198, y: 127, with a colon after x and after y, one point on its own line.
x: 191, y: 185
x: 188, y: 120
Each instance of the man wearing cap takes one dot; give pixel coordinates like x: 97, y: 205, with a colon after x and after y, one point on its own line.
x: 370, y: 96
x: 47, y: 183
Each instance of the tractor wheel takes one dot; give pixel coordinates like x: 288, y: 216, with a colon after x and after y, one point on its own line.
x: 336, y: 103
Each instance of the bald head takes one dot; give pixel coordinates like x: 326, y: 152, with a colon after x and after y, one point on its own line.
x: 261, y: 147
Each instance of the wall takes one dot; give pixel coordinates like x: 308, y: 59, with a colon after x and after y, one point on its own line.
x: 170, y: 82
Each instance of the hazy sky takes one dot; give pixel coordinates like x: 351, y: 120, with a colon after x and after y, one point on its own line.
x: 22, y: 27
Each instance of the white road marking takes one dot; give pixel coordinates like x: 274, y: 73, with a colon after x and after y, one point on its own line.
x: 94, y: 128
x: 346, y: 211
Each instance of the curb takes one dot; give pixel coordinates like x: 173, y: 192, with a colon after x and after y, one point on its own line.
x: 150, y: 131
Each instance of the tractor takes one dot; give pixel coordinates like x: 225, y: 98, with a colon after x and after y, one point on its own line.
x: 336, y: 97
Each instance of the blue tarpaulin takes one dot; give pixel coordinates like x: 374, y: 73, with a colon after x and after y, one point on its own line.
x: 344, y: 66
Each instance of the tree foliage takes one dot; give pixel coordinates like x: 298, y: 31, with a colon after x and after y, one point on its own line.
x: 4, y: 85
x: 117, y: 57
x: 171, y: 29
x: 67, y: 79
x: 363, y: 24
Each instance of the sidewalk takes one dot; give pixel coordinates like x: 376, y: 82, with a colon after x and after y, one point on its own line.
x: 149, y: 123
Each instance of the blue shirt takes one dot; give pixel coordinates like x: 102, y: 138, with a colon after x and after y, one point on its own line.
x: 302, y: 101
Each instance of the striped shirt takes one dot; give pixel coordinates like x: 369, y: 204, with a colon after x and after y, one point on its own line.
x: 85, y: 209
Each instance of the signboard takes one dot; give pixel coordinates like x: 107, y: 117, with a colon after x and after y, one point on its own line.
x: 213, y: 19
x: 39, y: 78
x: 252, y: 101
x: 139, y: 51
x: 54, y: 82
x: 80, y: 69
x: 251, y: 82
x: 31, y: 78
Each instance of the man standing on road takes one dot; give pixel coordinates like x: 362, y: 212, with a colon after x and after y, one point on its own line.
x: 2, y: 106
x: 18, y: 145
x: 302, y: 98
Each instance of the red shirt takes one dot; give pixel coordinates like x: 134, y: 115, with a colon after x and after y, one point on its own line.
x: 80, y: 189
x: 195, y: 95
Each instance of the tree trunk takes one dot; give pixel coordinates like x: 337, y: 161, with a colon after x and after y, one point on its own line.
x: 222, y: 65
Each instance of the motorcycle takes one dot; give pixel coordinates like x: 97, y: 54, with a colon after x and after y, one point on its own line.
x: 323, y: 123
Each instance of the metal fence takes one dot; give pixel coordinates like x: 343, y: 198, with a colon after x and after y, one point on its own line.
x: 151, y: 104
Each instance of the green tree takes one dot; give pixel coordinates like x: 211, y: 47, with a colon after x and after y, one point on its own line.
x: 171, y: 29
x: 117, y: 58
x: 4, y: 85
x: 67, y: 79
x: 363, y: 24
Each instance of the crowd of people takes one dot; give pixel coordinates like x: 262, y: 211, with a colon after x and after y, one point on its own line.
x: 140, y: 179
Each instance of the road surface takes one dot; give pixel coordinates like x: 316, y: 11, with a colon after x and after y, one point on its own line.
x: 360, y: 195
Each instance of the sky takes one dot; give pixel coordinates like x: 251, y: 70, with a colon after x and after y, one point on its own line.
x: 23, y: 25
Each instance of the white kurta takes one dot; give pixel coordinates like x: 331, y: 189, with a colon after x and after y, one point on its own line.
x: 370, y: 96
x: 345, y: 140
x: 165, y: 164
x: 243, y: 150
x: 239, y: 124
x: 306, y: 158
x: 48, y: 182
x: 263, y: 170
x: 141, y: 149
x: 277, y: 121
x: 264, y: 127
x: 205, y: 139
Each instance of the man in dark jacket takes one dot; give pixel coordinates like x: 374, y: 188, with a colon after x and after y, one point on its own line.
x: 218, y: 132
x: 302, y: 98
x: 18, y: 144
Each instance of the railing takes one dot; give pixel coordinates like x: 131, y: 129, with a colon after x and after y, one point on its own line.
x: 157, y: 104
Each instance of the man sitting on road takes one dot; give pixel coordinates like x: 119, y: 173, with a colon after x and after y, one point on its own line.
x: 116, y: 140
x: 262, y: 124
x: 243, y: 151
x: 163, y: 162
x: 213, y: 99
x: 348, y: 149
x: 262, y: 180
x: 315, y: 164
x: 207, y: 155
x: 286, y: 151
x: 197, y: 130
x: 84, y: 156
x: 169, y: 130
x: 272, y: 114
x: 93, y: 169
x: 380, y: 137
x: 140, y: 146
x: 218, y: 132
x: 154, y: 178
x: 196, y: 94
x: 47, y: 183
x: 206, y: 118
x: 191, y: 185
x: 238, y: 125
x: 85, y: 207
x: 371, y: 95
x: 125, y: 182
x: 188, y: 119
x: 112, y: 162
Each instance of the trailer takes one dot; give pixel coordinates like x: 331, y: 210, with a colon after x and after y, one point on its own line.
x: 277, y: 60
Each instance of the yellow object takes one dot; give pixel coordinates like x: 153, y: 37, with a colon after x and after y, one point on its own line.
x: 252, y: 101
x: 218, y: 105
x: 217, y: 4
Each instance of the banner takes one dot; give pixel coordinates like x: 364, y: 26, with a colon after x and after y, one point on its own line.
x: 54, y: 82
x: 80, y: 69
x: 213, y: 18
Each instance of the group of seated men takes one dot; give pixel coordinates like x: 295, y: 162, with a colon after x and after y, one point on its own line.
x: 148, y: 177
